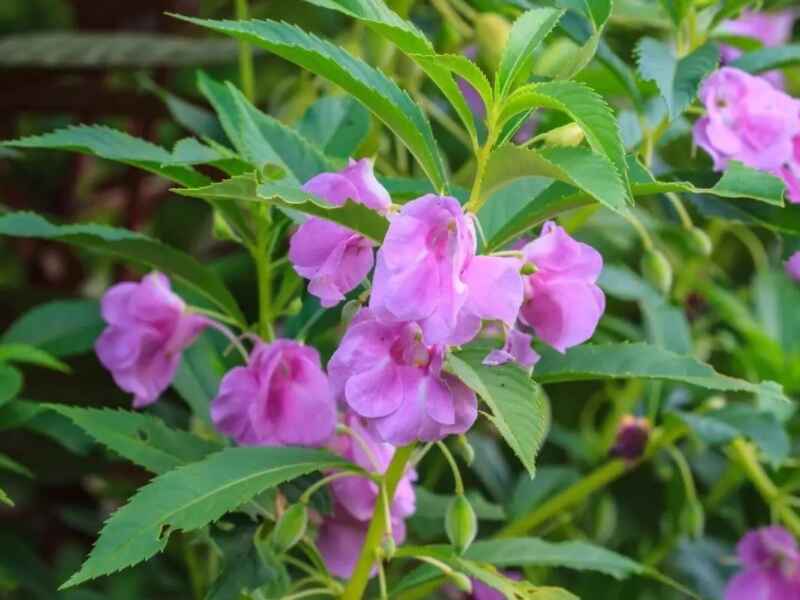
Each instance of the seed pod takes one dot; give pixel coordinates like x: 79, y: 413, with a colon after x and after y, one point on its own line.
x: 657, y: 270
x: 699, y: 242
x: 461, y: 524
x: 491, y: 33
x: 567, y: 135
x: 461, y: 581
x: 290, y: 528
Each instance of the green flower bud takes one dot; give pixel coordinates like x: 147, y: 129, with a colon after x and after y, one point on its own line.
x: 528, y: 269
x: 389, y: 547
x: 294, y: 308
x: 567, y: 135
x: 461, y: 581
x: 461, y: 524
x: 291, y: 527
x: 699, y: 242
x: 657, y: 270
x: 491, y: 33
x: 465, y: 449
x: 349, y: 310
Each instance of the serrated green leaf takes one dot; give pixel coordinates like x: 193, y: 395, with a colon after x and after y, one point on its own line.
x: 61, y: 328
x: 536, y: 552
x: 580, y: 167
x: 259, y: 138
x: 10, y: 383
x: 527, y: 33
x: 190, y: 497
x: 337, y: 125
x: 644, y: 361
x: 464, y: 68
x: 584, y: 106
x: 5, y: 499
x: 128, y: 245
x: 678, y: 80
x: 27, y: 354
x: 111, y: 144
x: 767, y: 59
x: 520, y: 410
x: 411, y: 41
x: 371, y: 87
x: 143, y: 439
x: 8, y: 464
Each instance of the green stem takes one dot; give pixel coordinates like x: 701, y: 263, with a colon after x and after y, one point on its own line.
x: 647, y: 241
x: 596, y: 480
x: 246, y: 71
x: 262, y: 258
x: 459, y: 484
x: 377, y: 527
x: 683, y: 214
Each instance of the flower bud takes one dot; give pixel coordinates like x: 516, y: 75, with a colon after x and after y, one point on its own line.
x: 349, y: 310
x: 290, y: 528
x: 632, y: 437
x: 465, y: 449
x: 389, y: 547
x: 699, y: 242
x: 567, y: 135
x: 491, y: 33
x: 657, y: 270
x: 294, y: 308
x: 528, y: 269
x: 461, y: 524
x: 461, y: 581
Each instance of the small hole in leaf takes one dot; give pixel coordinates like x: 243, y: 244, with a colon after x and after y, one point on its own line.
x: 164, y: 533
x: 142, y: 435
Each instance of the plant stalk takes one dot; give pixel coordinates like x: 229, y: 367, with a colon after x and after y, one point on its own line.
x: 246, y: 70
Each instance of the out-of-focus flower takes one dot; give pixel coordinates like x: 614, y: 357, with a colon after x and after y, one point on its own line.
x: 770, y: 562
x: 793, y: 266
x: 334, y: 258
x: 342, y: 533
x: 517, y: 348
x: 770, y: 28
x: 480, y: 591
x: 632, y: 437
x: 148, y: 329
x: 387, y: 374
x: 750, y: 121
x: 280, y: 398
x: 563, y: 303
x: 427, y: 272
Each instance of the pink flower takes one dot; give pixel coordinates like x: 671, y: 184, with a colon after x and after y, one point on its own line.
x: 562, y: 303
x: 386, y: 373
x: 793, y: 266
x: 481, y: 591
x: 148, y: 329
x: 334, y: 258
x: 750, y: 121
x: 516, y: 348
x: 770, y: 567
x: 281, y: 397
x: 342, y: 533
x: 427, y: 272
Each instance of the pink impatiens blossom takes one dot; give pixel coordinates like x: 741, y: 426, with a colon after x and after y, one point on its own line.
x: 517, y: 348
x: 563, y: 303
x: 148, y: 329
x: 770, y: 562
x: 750, y: 121
x: 793, y: 266
x: 334, y: 258
x: 387, y: 374
x: 280, y: 398
x: 427, y: 271
x: 342, y: 533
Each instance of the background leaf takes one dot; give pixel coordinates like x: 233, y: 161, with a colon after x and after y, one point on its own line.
x: 335, y: 124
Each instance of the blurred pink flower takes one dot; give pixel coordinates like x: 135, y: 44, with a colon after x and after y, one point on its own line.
x: 793, y: 266
x: 563, y: 303
x: 386, y: 374
x: 334, y: 258
x: 770, y: 562
x: 517, y: 348
x: 280, y: 398
x: 148, y: 329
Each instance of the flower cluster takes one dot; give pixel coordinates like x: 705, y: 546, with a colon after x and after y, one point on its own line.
x: 770, y: 561
x: 750, y: 121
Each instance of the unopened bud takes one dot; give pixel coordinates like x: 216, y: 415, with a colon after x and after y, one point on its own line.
x: 291, y: 527
x: 461, y: 581
x: 461, y: 524
x: 349, y: 311
x: 294, y: 308
x: 657, y: 270
x: 389, y: 547
x: 567, y: 135
x: 632, y: 437
x: 491, y: 33
x: 465, y: 449
x: 528, y: 269
x: 699, y: 242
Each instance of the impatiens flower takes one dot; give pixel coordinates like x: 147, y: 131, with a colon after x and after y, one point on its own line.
x: 793, y: 266
x: 148, y: 329
x: 334, y: 258
x: 516, y: 348
x: 770, y: 28
x: 770, y: 562
x: 750, y: 121
x: 280, y: 398
x: 387, y: 374
x: 632, y: 437
x: 563, y: 303
x: 342, y: 533
x: 427, y: 272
